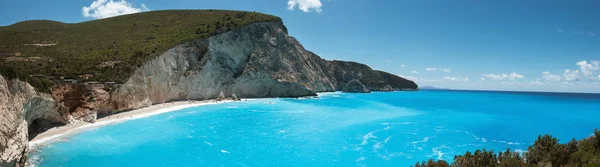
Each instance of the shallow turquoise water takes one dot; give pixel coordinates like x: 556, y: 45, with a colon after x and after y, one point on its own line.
x: 377, y: 129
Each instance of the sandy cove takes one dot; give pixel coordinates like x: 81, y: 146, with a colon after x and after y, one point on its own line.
x: 70, y: 129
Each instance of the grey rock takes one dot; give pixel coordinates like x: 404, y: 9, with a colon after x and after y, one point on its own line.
x: 234, y: 97
x: 354, y: 86
x: 221, y: 97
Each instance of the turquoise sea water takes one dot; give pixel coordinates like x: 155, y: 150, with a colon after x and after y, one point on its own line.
x: 338, y: 129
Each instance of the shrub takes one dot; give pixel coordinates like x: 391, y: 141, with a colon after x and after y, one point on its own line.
x: 545, y: 151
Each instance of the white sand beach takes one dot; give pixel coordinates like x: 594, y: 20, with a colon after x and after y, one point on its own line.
x: 70, y: 129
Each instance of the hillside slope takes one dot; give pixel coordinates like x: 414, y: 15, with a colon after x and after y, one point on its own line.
x: 109, y: 50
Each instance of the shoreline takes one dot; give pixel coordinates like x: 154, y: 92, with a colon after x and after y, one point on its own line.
x: 55, y: 133
x: 70, y: 129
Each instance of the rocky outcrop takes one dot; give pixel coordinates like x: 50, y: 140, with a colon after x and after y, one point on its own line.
x: 81, y: 100
x: 343, y: 72
x: 259, y: 60
x: 25, y: 112
x: 354, y: 86
x: 23, y: 108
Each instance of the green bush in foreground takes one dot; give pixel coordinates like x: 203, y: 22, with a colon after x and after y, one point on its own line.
x: 546, y: 151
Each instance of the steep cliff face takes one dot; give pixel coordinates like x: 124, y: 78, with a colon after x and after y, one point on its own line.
x: 20, y: 106
x: 259, y: 60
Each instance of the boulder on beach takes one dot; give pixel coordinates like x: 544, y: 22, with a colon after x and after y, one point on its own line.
x: 221, y: 96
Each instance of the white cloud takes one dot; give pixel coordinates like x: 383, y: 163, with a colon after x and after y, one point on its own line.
x: 402, y: 65
x: 100, y: 9
x: 413, y: 78
x: 438, y: 69
x: 588, y: 69
x: 508, y: 82
x: 571, y: 75
x: 305, y: 5
x: 448, y: 78
x: 547, y: 76
x: 415, y: 72
x: 536, y: 82
x: 576, y: 32
x: 419, y: 79
x: 512, y: 77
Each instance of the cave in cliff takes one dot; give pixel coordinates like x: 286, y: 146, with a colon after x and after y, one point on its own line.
x: 40, y: 125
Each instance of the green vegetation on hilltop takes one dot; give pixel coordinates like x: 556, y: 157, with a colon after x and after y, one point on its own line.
x: 546, y: 151
x: 108, y: 49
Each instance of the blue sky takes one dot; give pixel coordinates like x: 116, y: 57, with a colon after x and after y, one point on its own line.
x: 533, y: 45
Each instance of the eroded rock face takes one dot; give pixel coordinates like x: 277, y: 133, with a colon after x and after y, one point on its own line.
x: 20, y: 106
x: 354, y: 86
x: 81, y: 100
x: 259, y: 60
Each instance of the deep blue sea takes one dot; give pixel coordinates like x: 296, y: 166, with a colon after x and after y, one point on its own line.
x: 337, y: 129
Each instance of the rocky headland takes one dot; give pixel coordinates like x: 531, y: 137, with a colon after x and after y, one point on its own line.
x: 255, y: 61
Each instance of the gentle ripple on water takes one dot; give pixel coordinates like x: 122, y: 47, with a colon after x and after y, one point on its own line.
x: 378, y: 129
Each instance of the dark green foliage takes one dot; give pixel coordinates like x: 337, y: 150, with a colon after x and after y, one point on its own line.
x: 478, y: 158
x: 490, y: 159
x: 108, y: 88
x: 432, y: 163
x: 49, y: 48
x: 41, y: 84
x: 91, y: 99
x: 510, y: 159
x: 9, y: 72
x: 545, y: 151
x: 588, y: 152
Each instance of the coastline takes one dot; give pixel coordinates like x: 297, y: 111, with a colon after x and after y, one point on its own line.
x: 55, y: 133
x: 70, y: 129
